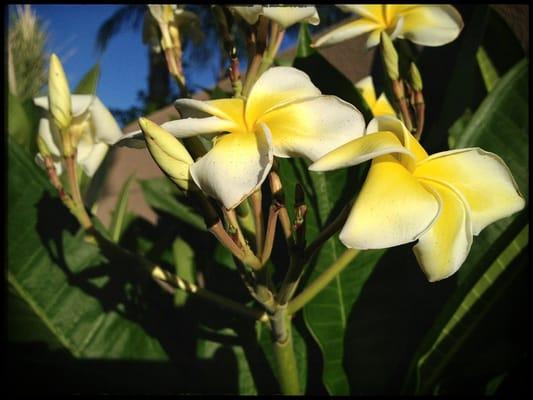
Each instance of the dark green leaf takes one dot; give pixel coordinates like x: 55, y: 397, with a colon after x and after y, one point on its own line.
x: 50, y: 269
x: 488, y: 71
x: 327, y: 314
x: 89, y: 82
x: 185, y: 268
x: 119, y: 213
x: 22, y: 123
x: 162, y: 194
x: 460, y: 316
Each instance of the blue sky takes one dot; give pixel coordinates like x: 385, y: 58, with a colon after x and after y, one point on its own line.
x: 72, y: 30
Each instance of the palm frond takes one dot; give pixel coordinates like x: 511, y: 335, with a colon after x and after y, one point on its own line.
x: 126, y: 16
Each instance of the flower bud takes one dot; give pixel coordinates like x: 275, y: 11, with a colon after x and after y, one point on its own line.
x: 390, y: 57
x: 168, y: 152
x: 59, y: 94
x: 416, y: 79
x: 42, y: 147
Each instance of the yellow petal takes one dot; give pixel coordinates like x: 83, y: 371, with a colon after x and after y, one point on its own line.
x: 433, y: 25
x: 360, y: 150
x: 444, y: 247
x: 383, y: 107
x: 481, y: 177
x: 392, y: 208
x: 312, y: 127
x: 393, y: 124
x: 235, y: 167
x: 347, y: 31
x: 223, y: 108
x: 366, y: 87
x: 277, y: 86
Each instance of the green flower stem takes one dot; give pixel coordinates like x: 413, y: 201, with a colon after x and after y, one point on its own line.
x: 322, y: 281
x: 287, y: 370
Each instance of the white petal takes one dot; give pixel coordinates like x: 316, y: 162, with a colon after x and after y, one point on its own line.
x: 48, y: 137
x: 432, y: 25
x: 277, y: 86
x: 93, y: 159
x: 444, y: 247
x: 481, y: 177
x: 360, y: 150
x: 235, y: 167
x: 249, y: 13
x: 393, y: 208
x: 346, y: 31
x: 105, y: 127
x: 313, y: 127
x: 287, y: 16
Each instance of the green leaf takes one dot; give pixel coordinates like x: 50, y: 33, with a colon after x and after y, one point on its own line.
x: 89, y: 82
x: 488, y: 70
x: 326, y: 315
x: 51, y: 269
x: 456, y: 130
x: 119, y: 213
x: 22, y: 123
x: 183, y: 255
x: 500, y: 125
x: 162, y: 194
x: 505, y: 109
x: 325, y: 76
x: 463, y: 312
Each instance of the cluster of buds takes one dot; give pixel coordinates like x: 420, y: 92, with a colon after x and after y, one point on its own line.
x: 169, y: 17
x: 408, y: 93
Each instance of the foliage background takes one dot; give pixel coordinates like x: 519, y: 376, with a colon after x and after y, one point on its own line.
x: 101, y: 327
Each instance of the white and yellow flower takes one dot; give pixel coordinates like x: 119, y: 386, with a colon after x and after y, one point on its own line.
x: 284, y: 15
x: 442, y: 200
x: 426, y: 25
x: 379, y: 106
x: 94, y: 124
x: 285, y: 115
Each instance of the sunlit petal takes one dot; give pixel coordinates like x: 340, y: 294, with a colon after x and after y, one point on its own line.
x: 392, y: 208
x: 287, y: 16
x: 235, y: 166
x: 443, y: 248
x: 48, y: 137
x: 360, y: 150
x: 312, y: 127
x: 105, y: 127
x: 481, y: 177
x: 275, y: 87
x: 366, y: 87
x: 383, y: 107
x: 347, y: 31
x: 392, y: 124
x: 223, y: 109
x: 94, y: 157
x: 432, y: 25
x: 249, y: 13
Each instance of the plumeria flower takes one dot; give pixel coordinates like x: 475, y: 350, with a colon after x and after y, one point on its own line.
x: 95, y: 124
x: 284, y: 15
x: 379, y: 106
x: 426, y: 25
x: 285, y: 115
x: 442, y: 200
